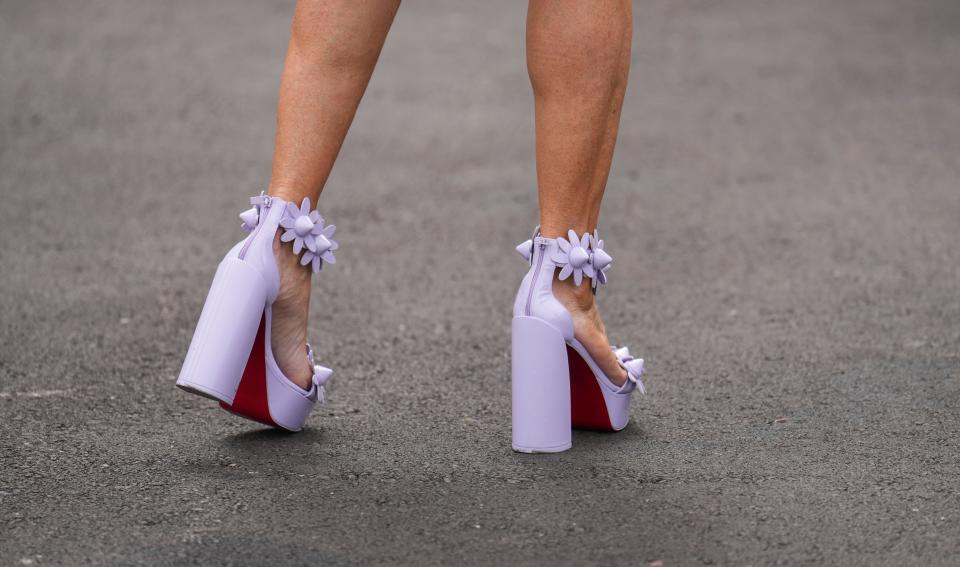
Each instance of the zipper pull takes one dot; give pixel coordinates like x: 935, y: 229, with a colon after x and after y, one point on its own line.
x: 262, y: 200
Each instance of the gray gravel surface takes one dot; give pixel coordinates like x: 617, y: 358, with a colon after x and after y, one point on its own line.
x: 784, y: 211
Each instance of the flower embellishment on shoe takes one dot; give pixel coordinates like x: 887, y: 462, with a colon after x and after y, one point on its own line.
x: 633, y: 366
x: 317, y: 259
x: 526, y: 249
x: 599, y: 259
x: 250, y: 218
x: 305, y: 228
x: 583, y: 256
x: 574, y: 256
x: 321, y: 375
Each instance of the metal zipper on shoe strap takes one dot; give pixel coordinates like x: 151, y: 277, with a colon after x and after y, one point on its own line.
x: 267, y: 201
x: 536, y: 273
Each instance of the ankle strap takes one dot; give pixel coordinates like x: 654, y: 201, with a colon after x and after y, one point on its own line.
x: 312, y: 240
x: 578, y: 256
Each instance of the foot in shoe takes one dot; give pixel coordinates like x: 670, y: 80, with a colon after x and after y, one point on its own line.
x: 291, y: 311
x: 588, y: 327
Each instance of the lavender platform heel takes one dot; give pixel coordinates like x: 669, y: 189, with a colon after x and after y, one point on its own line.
x: 556, y: 384
x: 230, y: 359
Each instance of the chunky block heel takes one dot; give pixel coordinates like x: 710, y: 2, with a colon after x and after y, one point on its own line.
x: 226, y: 331
x: 557, y: 385
x: 540, y: 389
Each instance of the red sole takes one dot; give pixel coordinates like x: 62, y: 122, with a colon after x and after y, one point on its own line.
x: 588, y: 409
x: 251, y: 399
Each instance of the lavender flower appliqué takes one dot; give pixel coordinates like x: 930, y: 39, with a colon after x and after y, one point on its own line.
x: 305, y: 228
x: 599, y: 259
x: 633, y: 366
x: 573, y: 255
x: 250, y: 218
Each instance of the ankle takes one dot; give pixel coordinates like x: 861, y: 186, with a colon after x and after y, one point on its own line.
x: 294, y: 277
x: 292, y: 192
x: 574, y: 297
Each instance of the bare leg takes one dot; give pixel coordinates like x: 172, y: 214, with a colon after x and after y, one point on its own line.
x: 334, y: 46
x: 578, y: 57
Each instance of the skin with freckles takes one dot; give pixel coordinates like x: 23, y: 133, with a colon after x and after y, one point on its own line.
x: 578, y: 58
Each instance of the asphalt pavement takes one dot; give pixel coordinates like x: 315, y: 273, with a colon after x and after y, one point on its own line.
x: 784, y: 217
